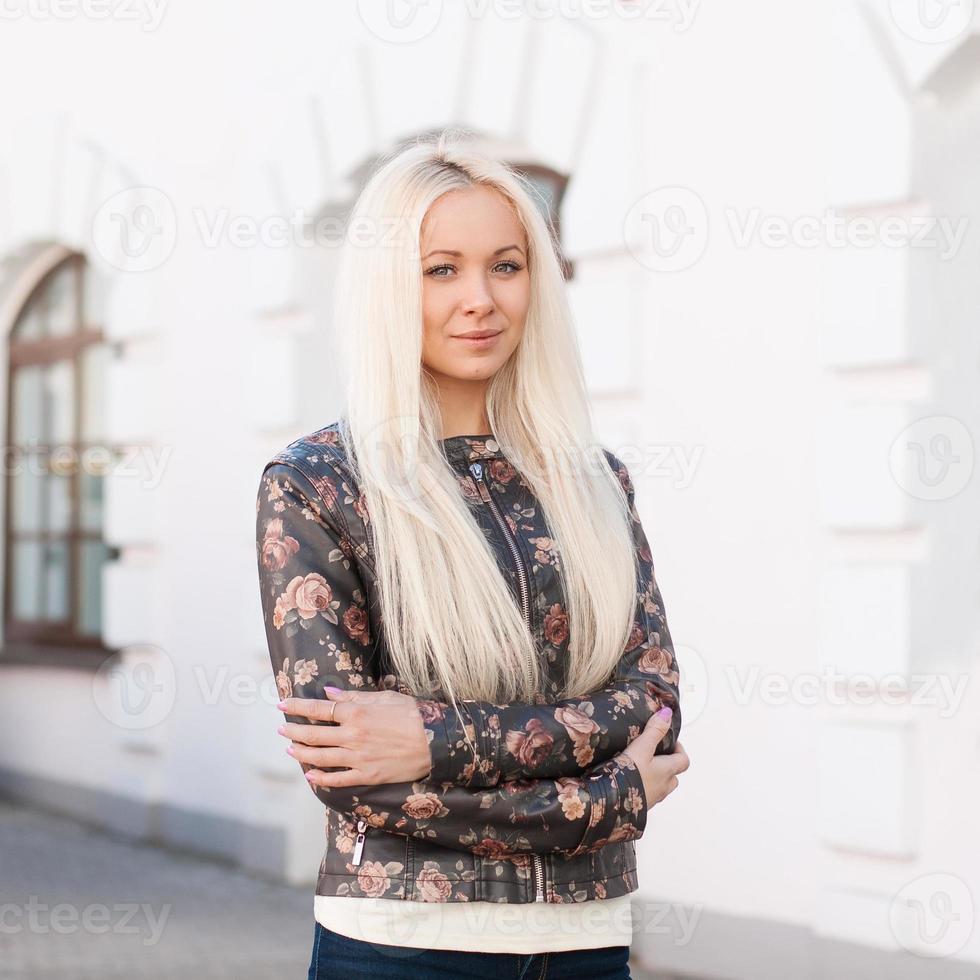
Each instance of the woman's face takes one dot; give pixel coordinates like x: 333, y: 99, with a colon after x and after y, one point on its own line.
x: 474, y: 280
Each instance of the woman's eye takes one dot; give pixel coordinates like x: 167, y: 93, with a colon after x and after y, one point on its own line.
x: 437, y: 268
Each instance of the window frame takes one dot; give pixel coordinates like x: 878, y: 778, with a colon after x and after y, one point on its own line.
x: 52, y: 641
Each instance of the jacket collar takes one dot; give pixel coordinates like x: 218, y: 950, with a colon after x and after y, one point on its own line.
x: 465, y: 449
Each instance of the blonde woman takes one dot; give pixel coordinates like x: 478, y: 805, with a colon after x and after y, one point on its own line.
x: 460, y: 603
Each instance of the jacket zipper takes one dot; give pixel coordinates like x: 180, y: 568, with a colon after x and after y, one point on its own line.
x: 359, y: 843
x: 479, y: 478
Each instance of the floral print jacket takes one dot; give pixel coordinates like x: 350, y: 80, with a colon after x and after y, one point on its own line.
x: 549, y: 806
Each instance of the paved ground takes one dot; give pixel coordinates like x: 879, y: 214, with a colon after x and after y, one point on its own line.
x: 76, y: 904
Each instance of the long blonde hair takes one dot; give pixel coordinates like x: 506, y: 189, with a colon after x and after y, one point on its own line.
x: 451, y: 624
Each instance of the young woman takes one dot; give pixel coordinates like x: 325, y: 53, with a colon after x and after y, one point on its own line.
x: 460, y: 603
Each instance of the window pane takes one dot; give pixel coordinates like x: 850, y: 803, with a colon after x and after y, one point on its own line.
x: 44, y: 404
x: 28, y: 405
x: 60, y: 402
x: 56, y: 580
x: 27, y: 488
x: 95, y: 360
x: 40, y: 580
x: 26, y: 584
x: 92, y: 557
x: 30, y: 324
x: 58, y: 497
x: 61, y: 301
x: 41, y: 499
x: 90, y: 512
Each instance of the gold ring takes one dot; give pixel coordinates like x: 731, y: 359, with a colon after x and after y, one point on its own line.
x: 333, y: 708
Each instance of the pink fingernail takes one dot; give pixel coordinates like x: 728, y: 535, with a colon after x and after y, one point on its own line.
x: 665, y: 713
x: 332, y: 690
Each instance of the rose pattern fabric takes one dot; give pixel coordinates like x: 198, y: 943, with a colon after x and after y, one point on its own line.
x: 548, y: 779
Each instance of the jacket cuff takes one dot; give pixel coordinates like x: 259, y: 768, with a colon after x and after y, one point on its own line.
x: 633, y: 797
x: 618, y: 811
x: 451, y: 745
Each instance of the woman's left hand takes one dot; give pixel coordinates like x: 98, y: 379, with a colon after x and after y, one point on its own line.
x: 379, y: 737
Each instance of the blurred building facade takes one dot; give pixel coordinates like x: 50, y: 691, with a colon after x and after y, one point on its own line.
x: 797, y: 418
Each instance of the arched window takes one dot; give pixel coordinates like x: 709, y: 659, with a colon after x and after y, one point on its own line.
x: 56, y: 457
x: 550, y: 186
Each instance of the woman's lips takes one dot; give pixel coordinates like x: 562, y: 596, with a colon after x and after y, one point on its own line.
x: 480, y: 342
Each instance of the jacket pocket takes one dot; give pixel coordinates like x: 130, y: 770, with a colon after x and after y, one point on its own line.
x: 361, y: 860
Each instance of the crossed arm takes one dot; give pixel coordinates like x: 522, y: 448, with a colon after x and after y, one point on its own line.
x: 521, y: 741
x: 318, y: 631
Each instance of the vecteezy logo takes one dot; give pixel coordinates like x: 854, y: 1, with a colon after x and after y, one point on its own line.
x: 400, y: 21
x: 932, y: 459
x: 135, y: 230
x: 932, y: 916
x: 136, y: 689
x: 667, y: 229
x: 931, y: 21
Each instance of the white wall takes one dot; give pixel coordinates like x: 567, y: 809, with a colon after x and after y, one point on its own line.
x: 758, y: 387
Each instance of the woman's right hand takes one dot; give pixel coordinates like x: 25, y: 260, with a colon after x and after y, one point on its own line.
x: 659, y: 771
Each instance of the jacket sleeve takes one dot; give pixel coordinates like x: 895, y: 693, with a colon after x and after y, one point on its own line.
x: 319, y: 632
x: 563, y: 738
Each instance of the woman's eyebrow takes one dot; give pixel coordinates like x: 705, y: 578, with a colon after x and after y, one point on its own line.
x: 447, y: 251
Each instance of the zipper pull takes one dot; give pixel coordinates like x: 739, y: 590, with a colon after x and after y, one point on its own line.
x: 476, y: 471
x: 359, y: 843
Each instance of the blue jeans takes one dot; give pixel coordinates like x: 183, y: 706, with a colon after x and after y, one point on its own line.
x: 335, y: 955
